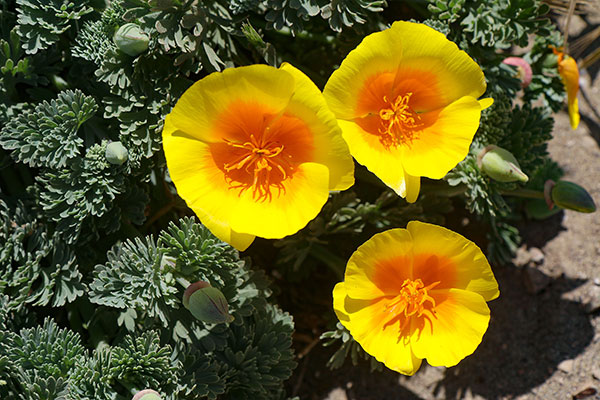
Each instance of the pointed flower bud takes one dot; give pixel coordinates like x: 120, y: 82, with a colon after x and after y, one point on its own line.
x: 131, y: 39
x: 571, y: 196
x: 116, y: 153
x: 206, y: 303
x: 500, y: 165
x: 147, y: 394
x: 524, y: 72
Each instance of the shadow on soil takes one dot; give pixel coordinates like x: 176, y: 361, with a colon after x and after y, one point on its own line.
x: 529, y: 335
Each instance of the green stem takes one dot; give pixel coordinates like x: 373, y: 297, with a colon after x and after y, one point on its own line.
x: 526, y: 193
x: 443, y: 190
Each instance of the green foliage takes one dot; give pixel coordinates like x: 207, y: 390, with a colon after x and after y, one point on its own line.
x: 98, y: 239
x: 40, y: 22
x: 46, y: 136
x: 496, y: 23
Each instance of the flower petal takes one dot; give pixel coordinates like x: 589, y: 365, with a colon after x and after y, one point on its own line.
x: 380, y: 265
x: 569, y: 73
x: 201, y: 107
x: 367, y: 322
x: 446, y: 142
x: 428, y: 51
x: 330, y: 149
x: 445, y: 256
x: 377, y: 53
x: 456, y: 329
x: 222, y: 230
x: 289, y: 210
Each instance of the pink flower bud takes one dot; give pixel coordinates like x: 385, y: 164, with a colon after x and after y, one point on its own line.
x: 524, y: 72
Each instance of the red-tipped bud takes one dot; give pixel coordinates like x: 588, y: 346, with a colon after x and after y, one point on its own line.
x: 500, y: 165
x: 524, y: 72
x: 571, y: 196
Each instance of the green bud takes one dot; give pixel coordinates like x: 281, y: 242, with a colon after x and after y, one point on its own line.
x: 550, y: 61
x: 59, y: 83
x: 147, y: 394
x: 116, y: 153
x: 500, y: 165
x: 253, y: 36
x: 131, y: 40
x: 571, y: 196
x: 206, y: 303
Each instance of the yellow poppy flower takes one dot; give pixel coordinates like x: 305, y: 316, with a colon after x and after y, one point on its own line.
x: 568, y: 71
x: 416, y: 293
x: 406, y: 100
x: 254, y: 151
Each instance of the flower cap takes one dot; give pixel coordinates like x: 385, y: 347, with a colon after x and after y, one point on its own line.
x: 406, y: 100
x: 416, y: 293
x: 254, y: 151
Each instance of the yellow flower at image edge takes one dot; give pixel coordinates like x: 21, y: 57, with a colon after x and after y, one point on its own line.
x: 406, y: 100
x: 416, y: 293
x: 254, y: 151
x: 569, y: 73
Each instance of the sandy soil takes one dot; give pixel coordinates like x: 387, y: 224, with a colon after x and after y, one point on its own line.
x: 544, y: 337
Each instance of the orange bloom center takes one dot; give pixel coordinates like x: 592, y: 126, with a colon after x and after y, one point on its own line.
x: 399, y: 122
x: 264, y: 161
x: 412, y: 300
x: 260, y: 150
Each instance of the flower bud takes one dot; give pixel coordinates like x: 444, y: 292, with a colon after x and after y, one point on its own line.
x: 538, y: 209
x: 147, y: 394
x: 500, y: 165
x: 131, y: 40
x: 524, y: 72
x: 571, y: 196
x: 116, y: 153
x: 206, y: 303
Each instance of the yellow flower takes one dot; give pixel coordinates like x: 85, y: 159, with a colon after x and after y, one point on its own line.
x: 416, y: 293
x: 568, y: 71
x: 254, y: 151
x: 406, y: 100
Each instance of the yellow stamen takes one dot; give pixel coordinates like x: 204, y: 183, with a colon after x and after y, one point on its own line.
x: 261, y: 160
x: 399, y: 121
x: 412, y: 300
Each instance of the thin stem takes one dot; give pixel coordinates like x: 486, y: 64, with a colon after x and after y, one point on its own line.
x: 567, y: 22
x: 526, y: 193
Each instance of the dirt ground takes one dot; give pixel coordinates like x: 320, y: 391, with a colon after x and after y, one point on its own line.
x: 543, y: 341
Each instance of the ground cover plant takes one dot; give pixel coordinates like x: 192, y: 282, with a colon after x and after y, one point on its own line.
x: 172, y: 173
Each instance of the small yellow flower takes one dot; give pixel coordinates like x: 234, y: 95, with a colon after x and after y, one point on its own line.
x: 406, y: 100
x: 416, y: 293
x: 254, y: 151
x: 568, y: 71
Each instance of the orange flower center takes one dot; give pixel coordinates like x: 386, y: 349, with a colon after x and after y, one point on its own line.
x: 412, y: 300
x: 264, y: 161
x: 260, y: 149
x: 399, y: 122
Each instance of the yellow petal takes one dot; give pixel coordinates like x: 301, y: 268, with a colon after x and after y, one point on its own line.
x: 377, y: 53
x: 201, y: 107
x: 446, y: 142
x: 567, y: 68
x: 385, y: 163
x: 445, y: 256
x: 308, y: 104
x: 222, y: 230
x: 428, y: 51
x: 456, y: 329
x: 339, y: 296
x: 367, y: 321
x: 380, y: 265
x: 289, y: 210
x: 485, y: 103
